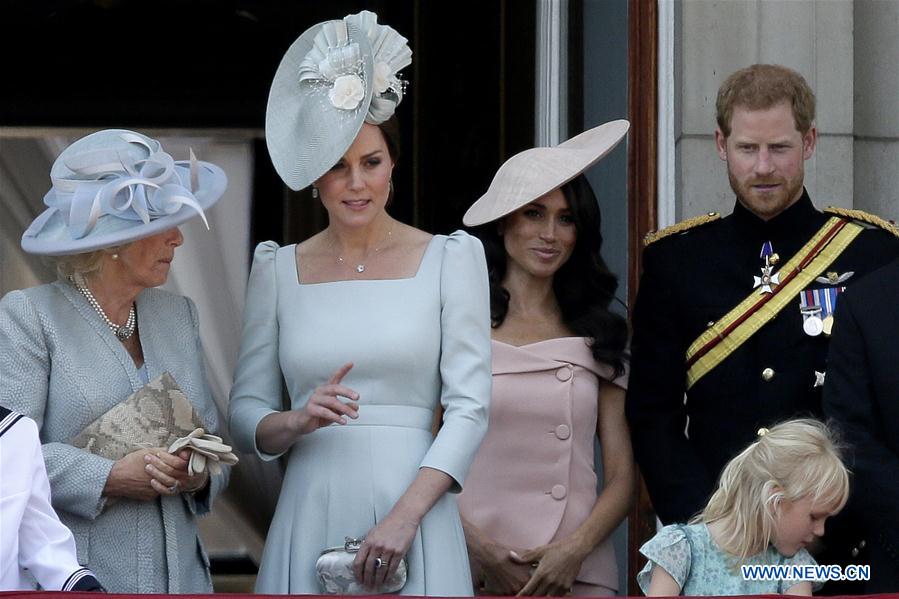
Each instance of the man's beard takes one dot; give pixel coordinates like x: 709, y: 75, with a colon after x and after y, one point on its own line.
x: 766, y: 205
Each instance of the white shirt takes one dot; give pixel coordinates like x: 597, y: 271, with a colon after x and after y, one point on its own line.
x: 34, y: 545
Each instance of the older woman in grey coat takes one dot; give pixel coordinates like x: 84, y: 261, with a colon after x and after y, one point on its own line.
x: 72, y: 349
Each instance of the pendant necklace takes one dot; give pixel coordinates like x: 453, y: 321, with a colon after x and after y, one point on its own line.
x: 121, y: 332
x: 360, y: 267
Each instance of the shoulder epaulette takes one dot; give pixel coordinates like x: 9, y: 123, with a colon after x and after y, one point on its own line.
x: 680, y: 227
x: 864, y: 217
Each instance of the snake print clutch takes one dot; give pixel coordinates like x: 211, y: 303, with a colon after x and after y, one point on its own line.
x: 155, y: 415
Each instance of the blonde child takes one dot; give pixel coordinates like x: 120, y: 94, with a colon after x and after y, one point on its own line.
x: 771, y: 502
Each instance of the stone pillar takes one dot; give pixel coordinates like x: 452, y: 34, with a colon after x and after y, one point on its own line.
x: 876, y: 107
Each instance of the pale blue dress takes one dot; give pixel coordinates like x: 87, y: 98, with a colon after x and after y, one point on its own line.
x: 689, y: 554
x: 415, y: 343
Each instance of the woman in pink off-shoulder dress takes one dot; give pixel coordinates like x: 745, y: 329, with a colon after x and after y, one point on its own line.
x: 534, y: 521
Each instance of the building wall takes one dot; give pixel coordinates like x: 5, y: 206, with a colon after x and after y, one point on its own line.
x: 847, y: 52
x: 876, y: 107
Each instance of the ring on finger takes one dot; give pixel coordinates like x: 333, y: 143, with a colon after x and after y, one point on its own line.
x: 174, y: 488
x: 379, y: 562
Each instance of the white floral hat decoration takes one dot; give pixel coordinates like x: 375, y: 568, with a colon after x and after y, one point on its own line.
x: 335, y: 76
x: 116, y: 186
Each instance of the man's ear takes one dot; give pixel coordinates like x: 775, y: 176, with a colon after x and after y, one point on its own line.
x: 809, y: 141
x: 721, y: 144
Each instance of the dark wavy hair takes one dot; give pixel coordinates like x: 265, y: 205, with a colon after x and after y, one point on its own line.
x: 584, y: 286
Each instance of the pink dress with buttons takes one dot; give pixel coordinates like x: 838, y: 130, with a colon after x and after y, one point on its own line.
x: 533, y: 480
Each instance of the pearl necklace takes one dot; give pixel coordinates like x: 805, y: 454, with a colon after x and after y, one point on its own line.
x: 360, y: 268
x: 121, y: 332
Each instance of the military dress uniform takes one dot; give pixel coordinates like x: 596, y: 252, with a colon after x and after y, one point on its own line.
x: 862, y: 395
x: 683, y: 437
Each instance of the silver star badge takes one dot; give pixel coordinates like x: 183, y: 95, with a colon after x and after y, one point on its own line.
x: 819, y: 379
x: 767, y: 281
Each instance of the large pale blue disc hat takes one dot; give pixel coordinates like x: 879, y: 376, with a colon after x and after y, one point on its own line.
x: 116, y: 186
x: 533, y: 173
x: 337, y: 75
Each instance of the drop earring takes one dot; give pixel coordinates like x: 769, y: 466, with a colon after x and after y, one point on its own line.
x: 314, y: 192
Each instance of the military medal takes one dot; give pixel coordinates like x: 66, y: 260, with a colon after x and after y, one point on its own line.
x: 827, y: 323
x: 767, y: 281
x: 813, y: 325
x: 817, y: 306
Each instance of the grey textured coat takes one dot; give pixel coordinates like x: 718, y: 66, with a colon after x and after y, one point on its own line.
x: 62, y: 366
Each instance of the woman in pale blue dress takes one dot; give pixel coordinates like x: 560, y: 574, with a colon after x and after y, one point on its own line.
x: 373, y: 325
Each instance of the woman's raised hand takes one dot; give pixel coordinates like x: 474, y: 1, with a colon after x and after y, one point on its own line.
x: 278, y: 431
x: 325, y: 406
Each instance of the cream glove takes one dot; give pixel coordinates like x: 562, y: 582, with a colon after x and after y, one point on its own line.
x: 205, y: 451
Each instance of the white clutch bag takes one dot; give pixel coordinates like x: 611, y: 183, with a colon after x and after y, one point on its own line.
x: 334, y: 568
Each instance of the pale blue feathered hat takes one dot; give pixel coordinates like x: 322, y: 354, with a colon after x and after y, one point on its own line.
x: 337, y: 75
x: 115, y: 186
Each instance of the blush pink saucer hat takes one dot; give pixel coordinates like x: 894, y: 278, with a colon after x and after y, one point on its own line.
x: 533, y: 173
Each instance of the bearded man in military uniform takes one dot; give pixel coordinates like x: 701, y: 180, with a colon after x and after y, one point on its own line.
x: 733, y: 314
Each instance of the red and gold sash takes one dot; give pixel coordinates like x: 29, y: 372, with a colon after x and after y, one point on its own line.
x: 734, y: 328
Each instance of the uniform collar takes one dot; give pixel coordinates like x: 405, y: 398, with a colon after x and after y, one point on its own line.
x: 799, y: 218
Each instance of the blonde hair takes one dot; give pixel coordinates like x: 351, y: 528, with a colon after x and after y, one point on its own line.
x: 794, y: 460
x: 84, y: 264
